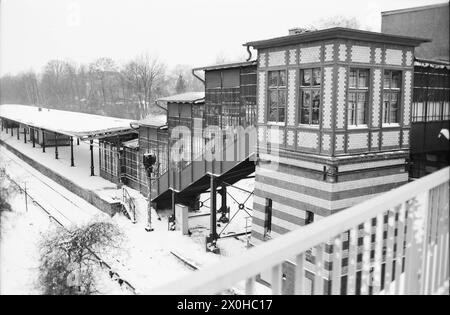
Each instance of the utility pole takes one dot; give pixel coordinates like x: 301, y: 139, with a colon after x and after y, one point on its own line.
x: 149, y: 160
x: 26, y: 197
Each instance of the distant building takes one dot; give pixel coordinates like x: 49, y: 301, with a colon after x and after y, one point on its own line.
x: 431, y: 97
x: 430, y: 21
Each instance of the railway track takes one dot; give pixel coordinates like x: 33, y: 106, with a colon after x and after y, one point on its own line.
x: 58, y: 217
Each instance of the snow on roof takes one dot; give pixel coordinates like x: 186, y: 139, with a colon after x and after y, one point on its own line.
x: 227, y: 65
x: 131, y: 143
x: 65, y: 122
x: 437, y: 64
x: 154, y: 121
x: 190, y: 97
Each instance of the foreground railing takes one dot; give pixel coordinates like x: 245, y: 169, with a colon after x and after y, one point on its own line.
x: 396, y: 243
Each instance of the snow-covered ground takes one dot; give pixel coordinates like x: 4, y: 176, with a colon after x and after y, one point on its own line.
x: 148, y: 259
x: 20, y: 233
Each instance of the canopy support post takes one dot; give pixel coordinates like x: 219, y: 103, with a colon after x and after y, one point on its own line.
x: 33, y: 139
x: 43, y: 141
x: 71, y: 152
x: 56, y: 145
x: 91, y: 148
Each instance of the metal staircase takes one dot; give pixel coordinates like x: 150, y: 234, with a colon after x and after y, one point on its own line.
x: 193, y: 178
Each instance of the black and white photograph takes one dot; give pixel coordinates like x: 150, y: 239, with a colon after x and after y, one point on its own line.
x: 224, y: 152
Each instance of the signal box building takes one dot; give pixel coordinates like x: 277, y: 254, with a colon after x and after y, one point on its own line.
x: 333, y: 119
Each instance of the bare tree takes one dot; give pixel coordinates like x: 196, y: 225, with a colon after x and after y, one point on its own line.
x: 180, y: 86
x: 101, y: 70
x: 55, y: 83
x: 145, y: 73
x: 192, y: 84
x: 68, y: 258
x: 100, y: 87
x: 337, y: 21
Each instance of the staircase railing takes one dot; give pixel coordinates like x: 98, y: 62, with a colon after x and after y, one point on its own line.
x: 129, y: 204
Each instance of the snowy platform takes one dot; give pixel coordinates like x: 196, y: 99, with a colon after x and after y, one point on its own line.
x: 99, y: 192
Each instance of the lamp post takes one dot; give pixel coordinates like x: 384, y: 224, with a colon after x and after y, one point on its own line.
x: 149, y: 160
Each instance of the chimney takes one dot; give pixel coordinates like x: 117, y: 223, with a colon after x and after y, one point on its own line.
x: 300, y: 30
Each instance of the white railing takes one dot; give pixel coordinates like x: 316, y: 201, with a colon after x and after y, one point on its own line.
x: 355, y: 251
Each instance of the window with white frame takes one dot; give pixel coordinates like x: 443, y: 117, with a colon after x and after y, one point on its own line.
x: 107, y: 155
x: 277, y: 96
x: 391, y: 96
x: 434, y: 110
x: 102, y: 155
x: 418, y: 112
x: 445, y: 111
x: 310, y: 84
x: 358, y: 97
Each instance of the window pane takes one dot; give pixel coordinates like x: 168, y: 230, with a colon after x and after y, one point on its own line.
x: 352, y: 78
x: 393, y: 111
x: 281, y: 114
x: 386, y: 107
x: 306, y: 78
x: 213, y: 79
x: 351, y: 108
x: 273, y: 114
x: 305, y: 116
x: 315, y: 108
x: 282, y: 78
x: 273, y: 78
x: 387, y: 79
x: 282, y: 98
x: 393, y: 115
x: 273, y: 111
x: 361, y: 108
x: 446, y: 111
x: 419, y: 111
x: 316, y: 76
x: 394, y: 99
x: 306, y: 99
x: 396, y: 79
x: 363, y: 79
x: 306, y: 102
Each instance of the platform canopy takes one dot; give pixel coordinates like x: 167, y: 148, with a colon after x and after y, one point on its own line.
x: 189, y: 97
x: 75, y: 124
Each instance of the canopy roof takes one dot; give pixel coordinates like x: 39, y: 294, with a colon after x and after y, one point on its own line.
x: 189, y: 97
x: 69, y: 123
x: 227, y: 66
x: 153, y: 121
x: 133, y: 144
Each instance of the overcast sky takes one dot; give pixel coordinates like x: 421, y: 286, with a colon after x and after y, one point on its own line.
x: 190, y: 32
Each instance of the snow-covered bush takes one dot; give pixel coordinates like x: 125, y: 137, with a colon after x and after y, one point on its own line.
x: 69, y: 258
x: 6, y: 189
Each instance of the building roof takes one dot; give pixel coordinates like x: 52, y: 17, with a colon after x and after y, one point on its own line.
x: 337, y: 33
x: 153, y: 121
x: 133, y: 144
x: 414, y: 9
x: 227, y: 66
x: 437, y: 64
x: 189, y: 97
x: 80, y: 125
